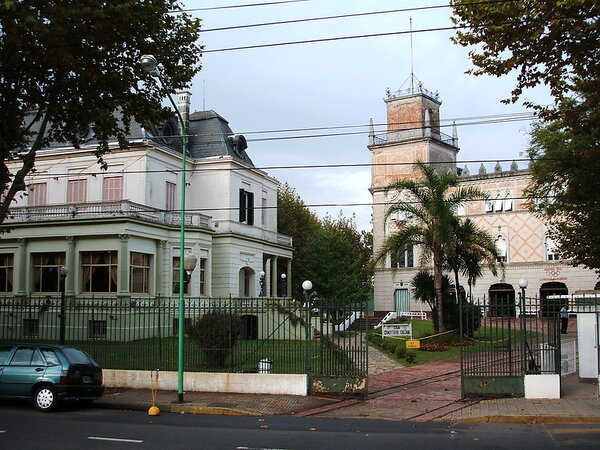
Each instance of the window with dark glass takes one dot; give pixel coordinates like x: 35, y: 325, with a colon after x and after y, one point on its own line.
x: 202, y: 266
x: 176, y: 278
x: 6, y: 272
x: 246, y: 207
x: 140, y: 273
x: 99, y: 271
x: 46, y: 271
x: 403, y: 259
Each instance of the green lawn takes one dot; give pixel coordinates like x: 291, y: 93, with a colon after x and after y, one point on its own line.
x: 285, y: 356
x: 485, y: 338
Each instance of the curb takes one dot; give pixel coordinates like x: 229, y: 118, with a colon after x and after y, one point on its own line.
x: 211, y: 410
x: 525, y: 419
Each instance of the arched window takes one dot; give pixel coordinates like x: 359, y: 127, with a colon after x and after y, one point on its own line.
x: 502, y: 247
x: 405, y: 259
x: 246, y: 282
x: 550, y: 249
x: 502, y: 300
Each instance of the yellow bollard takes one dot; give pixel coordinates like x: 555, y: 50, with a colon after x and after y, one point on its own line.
x: 154, y: 410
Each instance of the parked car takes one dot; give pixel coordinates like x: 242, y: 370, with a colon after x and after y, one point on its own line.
x: 48, y: 374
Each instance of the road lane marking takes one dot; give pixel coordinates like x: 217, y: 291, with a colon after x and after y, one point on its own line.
x: 132, y: 441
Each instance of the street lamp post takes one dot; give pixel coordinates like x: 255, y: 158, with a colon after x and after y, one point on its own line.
x: 283, y: 285
x: 307, y: 286
x: 63, y: 271
x: 523, y: 282
x: 150, y: 64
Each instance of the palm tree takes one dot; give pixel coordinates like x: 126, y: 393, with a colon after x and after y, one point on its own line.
x: 432, y: 213
x: 470, y: 251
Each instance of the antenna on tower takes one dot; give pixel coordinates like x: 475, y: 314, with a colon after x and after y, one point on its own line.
x: 412, y: 72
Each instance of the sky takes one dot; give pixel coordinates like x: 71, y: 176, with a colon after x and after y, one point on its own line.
x: 342, y: 83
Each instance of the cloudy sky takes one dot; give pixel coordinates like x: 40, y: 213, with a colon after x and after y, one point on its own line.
x: 335, y: 87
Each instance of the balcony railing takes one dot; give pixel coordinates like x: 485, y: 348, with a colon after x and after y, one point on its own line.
x: 99, y: 210
x: 414, y: 133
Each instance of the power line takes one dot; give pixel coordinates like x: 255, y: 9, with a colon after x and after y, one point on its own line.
x: 346, y: 16
x: 260, y: 207
x: 406, y: 126
x: 248, y: 5
x: 41, y: 174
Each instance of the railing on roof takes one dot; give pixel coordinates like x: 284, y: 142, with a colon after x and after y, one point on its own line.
x: 413, y: 133
x: 99, y: 210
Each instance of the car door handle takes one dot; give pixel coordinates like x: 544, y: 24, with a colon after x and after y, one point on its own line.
x: 39, y: 369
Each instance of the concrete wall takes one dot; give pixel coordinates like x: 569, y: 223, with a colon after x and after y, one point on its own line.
x: 239, y: 383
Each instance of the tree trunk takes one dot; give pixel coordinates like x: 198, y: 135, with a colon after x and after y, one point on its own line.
x: 437, y: 279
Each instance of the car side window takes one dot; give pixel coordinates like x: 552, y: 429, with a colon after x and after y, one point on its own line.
x: 4, y: 352
x: 22, y: 357
x: 50, y: 356
x: 36, y: 359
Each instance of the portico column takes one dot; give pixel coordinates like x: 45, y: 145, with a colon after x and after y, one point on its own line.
x: 159, y: 276
x: 274, y: 278
x: 70, y: 264
x: 123, y: 281
x: 21, y: 285
x: 288, y: 285
x: 267, y: 270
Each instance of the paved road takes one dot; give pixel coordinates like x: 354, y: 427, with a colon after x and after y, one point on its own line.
x: 75, y: 428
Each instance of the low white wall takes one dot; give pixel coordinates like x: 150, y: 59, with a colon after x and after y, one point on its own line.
x: 239, y: 383
x: 542, y: 386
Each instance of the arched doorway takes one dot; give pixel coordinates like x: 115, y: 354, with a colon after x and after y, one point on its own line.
x: 246, y: 282
x: 502, y: 300
x: 551, y: 306
x: 249, y: 327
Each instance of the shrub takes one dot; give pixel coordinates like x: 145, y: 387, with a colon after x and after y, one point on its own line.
x: 216, y: 333
x: 434, y: 347
x: 375, y: 340
x: 400, y: 352
x: 411, y: 357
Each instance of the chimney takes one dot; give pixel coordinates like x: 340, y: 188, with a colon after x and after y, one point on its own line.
x: 183, y: 104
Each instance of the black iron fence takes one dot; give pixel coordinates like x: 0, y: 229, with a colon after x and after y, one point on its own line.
x: 505, y: 339
x: 222, y: 335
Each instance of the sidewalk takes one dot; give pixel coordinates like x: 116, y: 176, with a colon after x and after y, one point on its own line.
x: 419, y: 393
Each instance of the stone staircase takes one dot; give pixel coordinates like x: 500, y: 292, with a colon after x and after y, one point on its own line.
x: 368, y: 322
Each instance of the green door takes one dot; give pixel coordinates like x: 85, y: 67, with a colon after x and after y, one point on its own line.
x: 402, y: 300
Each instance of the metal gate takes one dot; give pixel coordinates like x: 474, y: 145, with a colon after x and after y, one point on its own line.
x: 503, y: 341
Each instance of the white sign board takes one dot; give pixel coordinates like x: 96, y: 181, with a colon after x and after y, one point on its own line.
x: 396, y: 330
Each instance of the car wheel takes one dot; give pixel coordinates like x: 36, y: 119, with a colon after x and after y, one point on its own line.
x: 45, y: 398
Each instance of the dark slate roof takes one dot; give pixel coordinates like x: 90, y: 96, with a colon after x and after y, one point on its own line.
x: 210, y: 135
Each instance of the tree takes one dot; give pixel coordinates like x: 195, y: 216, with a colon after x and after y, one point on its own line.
x: 470, y: 249
x: 432, y: 208
x: 297, y: 221
x: 70, y: 65
x: 337, y: 260
x: 554, y: 43
x: 565, y: 189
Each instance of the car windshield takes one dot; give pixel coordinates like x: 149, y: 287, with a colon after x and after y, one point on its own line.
x: 77, y: 356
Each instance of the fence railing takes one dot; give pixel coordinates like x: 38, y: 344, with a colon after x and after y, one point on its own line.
x: 222, y: 334
x: 506, y: 339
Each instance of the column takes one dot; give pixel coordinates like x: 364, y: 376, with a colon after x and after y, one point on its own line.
x: 267, y: 270
x: 289, y: 278
x: 274, y: 277
x: 21, y: 281
x: 123, y: 281
x: 159, y: 268
x: 70, y: 264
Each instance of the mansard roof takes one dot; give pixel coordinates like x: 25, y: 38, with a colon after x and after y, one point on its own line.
x: 209, y: 136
